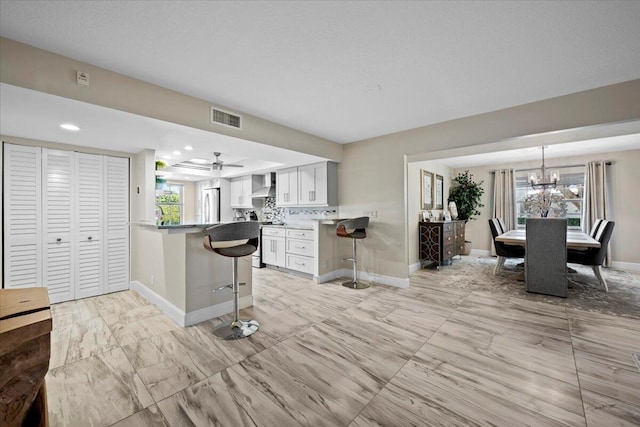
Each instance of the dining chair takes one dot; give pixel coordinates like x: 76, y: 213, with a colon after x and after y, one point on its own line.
x: 594, y: 257
x: 595, y: 227
x: 545, y: 261
x: 503, y: 250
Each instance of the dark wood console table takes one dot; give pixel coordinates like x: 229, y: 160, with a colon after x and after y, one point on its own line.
x: 439, y: 242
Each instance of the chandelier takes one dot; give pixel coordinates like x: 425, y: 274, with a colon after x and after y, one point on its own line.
x: 543, y: 182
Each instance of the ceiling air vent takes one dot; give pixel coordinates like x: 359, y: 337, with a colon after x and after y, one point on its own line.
x: 225, y: 118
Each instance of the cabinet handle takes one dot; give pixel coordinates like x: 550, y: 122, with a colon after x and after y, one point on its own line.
x: 314, y: 195
x: 299, y: 263
x: 300, y: 247
x: 58, y: 239
x: 448, y: 238
x: 89, y: 238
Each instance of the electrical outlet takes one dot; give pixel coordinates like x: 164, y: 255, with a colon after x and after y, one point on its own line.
x: 374, y: 214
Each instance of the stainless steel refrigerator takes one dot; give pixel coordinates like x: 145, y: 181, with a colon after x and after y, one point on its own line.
x: 211, y: 206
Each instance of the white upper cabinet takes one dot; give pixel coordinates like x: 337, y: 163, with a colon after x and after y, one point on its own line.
x: 22, y: 216
x: 241, y: 189
x: 313, y: 184
x: 316, y: 184
x: 287, y: 187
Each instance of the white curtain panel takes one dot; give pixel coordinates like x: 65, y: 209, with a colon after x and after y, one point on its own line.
x: 596, y: 198
x: 504, y: 196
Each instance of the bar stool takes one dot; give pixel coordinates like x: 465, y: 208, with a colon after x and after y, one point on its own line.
x: 358, y: 227
x: 233, y: 240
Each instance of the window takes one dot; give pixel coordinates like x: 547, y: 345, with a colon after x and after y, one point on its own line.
x: 571, y: 186
x: 169, y: 201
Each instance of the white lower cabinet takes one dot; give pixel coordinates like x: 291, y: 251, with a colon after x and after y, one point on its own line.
x: 66, y: 220
x: 292, y: 248
x: 303, y: 264
x: 273, y: 246
x: 273, y: 252
x: 300, y: 250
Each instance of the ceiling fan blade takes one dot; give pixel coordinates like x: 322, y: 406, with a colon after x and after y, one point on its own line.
x: 233, y: 166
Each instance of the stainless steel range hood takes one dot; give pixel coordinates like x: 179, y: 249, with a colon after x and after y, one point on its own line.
x: 269, y: 189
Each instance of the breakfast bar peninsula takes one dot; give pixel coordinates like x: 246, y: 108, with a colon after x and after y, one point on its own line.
x: 179, y: 276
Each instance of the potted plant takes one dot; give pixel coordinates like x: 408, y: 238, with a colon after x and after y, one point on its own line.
x: 160, y: 165
x: 466, y: 194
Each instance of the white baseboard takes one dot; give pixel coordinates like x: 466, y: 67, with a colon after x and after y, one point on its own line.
x: 217, y: 310
x: 414, y: 267
x: 187, y: 319
x: 327, y: 277
x: 169, y: 310
x: 633, y: 266
x: 367, y: 277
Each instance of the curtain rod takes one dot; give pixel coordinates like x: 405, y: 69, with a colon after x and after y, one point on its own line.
x: 608, y: 163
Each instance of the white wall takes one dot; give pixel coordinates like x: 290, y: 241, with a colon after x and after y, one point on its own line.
x: 623, y: 180
x: 373, y: 172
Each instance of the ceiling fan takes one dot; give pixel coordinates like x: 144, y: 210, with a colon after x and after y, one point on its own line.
x: 218, y: 164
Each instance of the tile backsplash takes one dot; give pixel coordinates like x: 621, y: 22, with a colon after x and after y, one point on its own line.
x: 269, y: 212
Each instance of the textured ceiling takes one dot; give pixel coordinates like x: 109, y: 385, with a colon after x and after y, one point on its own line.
x: 346, y: 70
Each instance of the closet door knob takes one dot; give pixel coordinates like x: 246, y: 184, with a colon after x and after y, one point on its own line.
x: 58, y: 239
x: 89, y: 238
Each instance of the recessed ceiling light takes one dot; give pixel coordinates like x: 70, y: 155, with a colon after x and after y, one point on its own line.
x: 177, y: 153
x: 188, y: 147
x: 166, y: 157
x: 201, y: 161
x: 69, y: 126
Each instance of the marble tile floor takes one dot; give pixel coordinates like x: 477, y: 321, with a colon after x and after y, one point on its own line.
x: 331, y: 356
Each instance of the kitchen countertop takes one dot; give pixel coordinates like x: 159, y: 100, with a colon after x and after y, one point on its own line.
x: 290, y: 226
x: 179, y: 228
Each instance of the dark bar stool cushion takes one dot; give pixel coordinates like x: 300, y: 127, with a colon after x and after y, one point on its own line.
x: 358, y: 225
x: 236, y: 239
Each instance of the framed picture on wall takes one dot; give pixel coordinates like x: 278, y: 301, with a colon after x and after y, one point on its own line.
x: 439, y: 187
x: 426, y: 187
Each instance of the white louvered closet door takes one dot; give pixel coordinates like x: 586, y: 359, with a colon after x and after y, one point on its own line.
x: 22, y: 216
x: 59, y: 237
x: 90, y: 220
x: 117, y: 223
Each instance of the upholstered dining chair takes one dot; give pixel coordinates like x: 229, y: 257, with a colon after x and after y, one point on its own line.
x: 594, y: 228
x: 545, y: 261
x: 595, y: 256
x: 502, y: 250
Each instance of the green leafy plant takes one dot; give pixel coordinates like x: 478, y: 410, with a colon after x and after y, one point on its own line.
x: 160, y: 165
x: 467, y: 195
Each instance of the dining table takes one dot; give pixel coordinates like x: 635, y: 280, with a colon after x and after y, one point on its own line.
x: 575, y: 239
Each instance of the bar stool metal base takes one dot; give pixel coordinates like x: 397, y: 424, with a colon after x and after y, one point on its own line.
x: 355, y: 285
x: 231, y: 329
